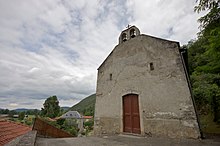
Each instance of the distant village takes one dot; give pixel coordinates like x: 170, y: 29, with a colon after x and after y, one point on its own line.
x: 54, y: 121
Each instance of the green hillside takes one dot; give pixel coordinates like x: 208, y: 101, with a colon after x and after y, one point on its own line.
x: 86, y: 106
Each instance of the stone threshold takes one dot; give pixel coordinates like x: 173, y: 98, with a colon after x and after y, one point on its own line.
x: 131, y: 135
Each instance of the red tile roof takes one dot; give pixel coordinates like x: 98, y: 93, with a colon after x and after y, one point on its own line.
x: 10, y: 130
x: 87, y: 117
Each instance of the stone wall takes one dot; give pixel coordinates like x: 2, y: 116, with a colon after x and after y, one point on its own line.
x: 165, y: 103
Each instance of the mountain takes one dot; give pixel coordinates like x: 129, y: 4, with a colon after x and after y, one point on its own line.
x: 18, y: 110
x: 22, y: 110
x: 65, y: 108
x: 86, y: 106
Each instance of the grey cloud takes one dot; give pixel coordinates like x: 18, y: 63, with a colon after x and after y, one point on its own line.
x: 54, y: 47
x: 156, y: 17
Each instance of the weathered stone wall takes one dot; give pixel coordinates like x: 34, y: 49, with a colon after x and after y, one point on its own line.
x: 165, y: 103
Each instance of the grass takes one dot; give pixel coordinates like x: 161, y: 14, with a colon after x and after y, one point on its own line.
x: 207, y: 124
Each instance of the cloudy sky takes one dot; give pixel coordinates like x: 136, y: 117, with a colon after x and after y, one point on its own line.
x: 54, y: 47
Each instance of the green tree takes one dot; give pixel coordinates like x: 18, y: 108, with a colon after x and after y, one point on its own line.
x: 204, y: 60
x: 12, y: 112
x: 51, y: 107
x: 4, y: 111
x: 21, y: 115
x: 206, y: 5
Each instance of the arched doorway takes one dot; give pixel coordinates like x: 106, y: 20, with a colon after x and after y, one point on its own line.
x: 131, y: 117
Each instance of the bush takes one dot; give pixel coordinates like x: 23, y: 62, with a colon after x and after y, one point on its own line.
x: 60, y: 121
x: 21, y: 115
x: 72, y: 131
x: 89, y: 124
x: 28, y: 123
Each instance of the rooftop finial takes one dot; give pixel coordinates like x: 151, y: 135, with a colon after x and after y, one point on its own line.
x: 128, y: 26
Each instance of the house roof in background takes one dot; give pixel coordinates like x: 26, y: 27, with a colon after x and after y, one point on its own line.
x: 71, y: 114
x: 87, y: 117
x: 10, y: 130
x: 4, y: 116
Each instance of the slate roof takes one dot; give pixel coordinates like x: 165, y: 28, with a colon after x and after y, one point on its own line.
x: 71, y: 114
x: 10, y: 130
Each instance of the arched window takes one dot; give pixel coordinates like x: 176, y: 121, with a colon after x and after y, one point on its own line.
x: 124, y: 37
x: 132, y: 33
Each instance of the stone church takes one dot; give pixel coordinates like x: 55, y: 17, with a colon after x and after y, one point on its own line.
x: 143, y: 88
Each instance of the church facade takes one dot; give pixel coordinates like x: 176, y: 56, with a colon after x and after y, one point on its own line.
x: 142, y: 88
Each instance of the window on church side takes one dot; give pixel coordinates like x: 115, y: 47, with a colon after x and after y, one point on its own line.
x: 151, y: 66
x: 110, y: 77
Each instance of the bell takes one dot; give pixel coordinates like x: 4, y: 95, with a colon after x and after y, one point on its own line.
x: 132, y: 33
x: 124, y: 37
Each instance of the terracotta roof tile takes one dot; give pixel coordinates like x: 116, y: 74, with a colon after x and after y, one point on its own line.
x: 10, y: 130
x: 87, y: 117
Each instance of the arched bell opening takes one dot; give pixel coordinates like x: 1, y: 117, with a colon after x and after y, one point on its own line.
x: 132, y: 33
x: 124, y: 37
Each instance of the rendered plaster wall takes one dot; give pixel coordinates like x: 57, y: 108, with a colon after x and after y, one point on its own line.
x: 165, y: 104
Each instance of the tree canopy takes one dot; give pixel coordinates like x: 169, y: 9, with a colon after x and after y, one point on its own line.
x: 204, y: 60
x: 206, y: 5
x: 51, y: 107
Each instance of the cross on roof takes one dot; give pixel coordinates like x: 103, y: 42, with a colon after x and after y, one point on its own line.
x: 128, y: 26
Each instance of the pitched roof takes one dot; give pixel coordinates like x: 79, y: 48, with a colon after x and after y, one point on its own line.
x: 141, y: 35
x: 71, y: 114
x: 10, y: 130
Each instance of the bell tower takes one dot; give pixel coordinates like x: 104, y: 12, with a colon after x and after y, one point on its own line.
x: 128, y: 34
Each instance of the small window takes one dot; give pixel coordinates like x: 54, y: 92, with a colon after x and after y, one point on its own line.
x: 151, y: 66
x: 124, y: 37
x: 110, y: 77
x: 132, y: 33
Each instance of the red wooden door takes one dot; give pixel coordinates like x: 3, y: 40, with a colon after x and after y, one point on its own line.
x: 131, y: 117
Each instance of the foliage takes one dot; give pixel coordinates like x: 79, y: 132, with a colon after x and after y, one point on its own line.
x: 4, y: 111
x: 70, y: 128
x: 204, y: 61
x: 86, y: 106
x: 89, y: 125
x: 208, y: 125
x: 14, y: 112
x: 21, y: 115
x: 65, y: 125
x: 8, y: 112
x: 51, y: 107
x: 29, y: 120
x: 29, y: 123
x: 72, y: 131
x: 60, y: 121
x: 33, y: 112
x: 206, y: 4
